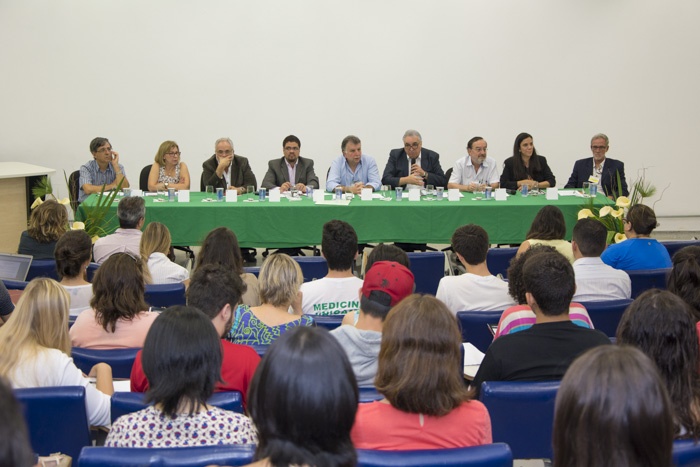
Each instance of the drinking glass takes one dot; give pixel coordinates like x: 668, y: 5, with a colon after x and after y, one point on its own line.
x: 385, y: 193
x: 210, y: 192
x: 429, y: 191
x: 251, y: 190
x: 586, y: 189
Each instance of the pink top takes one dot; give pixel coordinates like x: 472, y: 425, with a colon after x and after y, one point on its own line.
x: 519, y: 317
x: 90, y: 335
x: 378, y: 425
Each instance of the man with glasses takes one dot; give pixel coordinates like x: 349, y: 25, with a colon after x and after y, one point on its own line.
x: 227, y: 170
x: 475, y: 170
x: 291, y: 171
x: 413, y: 166
x: 104, y: 170
x: 600, y: 170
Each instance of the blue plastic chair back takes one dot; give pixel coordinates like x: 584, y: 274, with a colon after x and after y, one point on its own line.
x: 606, y: 314
x: 128, y: 402
x: 329, y: 322
x: 91, y: 270
x: 369, y: 394
x: 254, y: 270
x: 427, y: 268
x: 165, y: 295
x: 686, y: 453
x: 488, y: 455
x: 56, y: 419
x: 121, y: 360
x: 674, y: 245
x: 312, y: 267
x: 475, y: 327
x: 645, y: 279
x: 498, y: 260
x: 42, y: 268
x: 14, y: 285
x: 199, y: 456
x: 522, y: 415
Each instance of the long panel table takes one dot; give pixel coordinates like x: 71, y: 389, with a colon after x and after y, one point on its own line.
x: 298, y: 223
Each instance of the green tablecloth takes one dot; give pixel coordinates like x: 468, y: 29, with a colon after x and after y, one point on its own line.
x: 298, y: 223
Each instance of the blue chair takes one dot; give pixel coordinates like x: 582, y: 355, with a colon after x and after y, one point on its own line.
x: 42, y: 268
x: 165, y: 295
x: 488, y: 455
x: 312, y: 267
x: 428, y: 268
x: 254, y: 270
x: 498, y: 260
x: 56, y: 419
x: 522, y: 415
x: 199, y: 456
x: 645, y: 279
x: 686, y: 453
x: 674, y: 245
x: 475, y: 327
x: 128, y: 402
x: 606, y: 314
x: 91, y: 270
x: 329, y: 322
x: 369, y: 394
x: 260, y: 349
x: 14, y: 285
x: 121, y: 360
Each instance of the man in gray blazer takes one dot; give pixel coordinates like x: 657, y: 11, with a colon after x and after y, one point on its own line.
x: 292, y: 170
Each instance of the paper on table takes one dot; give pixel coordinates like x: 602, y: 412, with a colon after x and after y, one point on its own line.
x: 122, y: 385
x: 570, y: 193
x: 340, y: 202
x: 472, y: 359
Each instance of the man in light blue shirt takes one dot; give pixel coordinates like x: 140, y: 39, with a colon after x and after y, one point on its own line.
x: 353, y: 170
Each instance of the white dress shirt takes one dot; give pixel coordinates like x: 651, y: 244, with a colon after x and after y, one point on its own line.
x: 596, y: 281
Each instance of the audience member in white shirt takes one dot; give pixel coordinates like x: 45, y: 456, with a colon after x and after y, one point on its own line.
x: 155, y: 244
x: 595, y: 280
x: 477, y: 289
x: 73, y: 252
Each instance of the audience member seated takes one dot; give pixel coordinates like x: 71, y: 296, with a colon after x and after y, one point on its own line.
x: 526, y: 167
x: 103, y: 172
x: 612, y: 409
x: 220, y: 247
x: 477, y: 289
x: 280, y: 279
x: 638, y: 251
x: 155, y: 245
x: 595, y: 280
x: 521, y: 316
x: 36, y: 349
x: 600, y: 170
x: 182, y: 361
x: 662, y: 326
x: 216, y: 291
x: 386, y: 284
x: 15, y: 450
x: 546, y: 349
x: 131, y: 212
x: 426, y: 405
x: 684, y: 279
x: 337, y: 293
x: 292, y: 170
x: 73, y: 252
x: 304, y: 420
x: 548, y: 228
x: 167, y: 171
x: 6, y: 305
x: 47, y: 223
x: 118, y: 317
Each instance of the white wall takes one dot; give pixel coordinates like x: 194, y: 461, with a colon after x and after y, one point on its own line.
x: 140, y: 72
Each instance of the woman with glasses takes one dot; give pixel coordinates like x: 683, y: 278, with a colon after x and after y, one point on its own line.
x: 118, y: 317
x: 167, y: 171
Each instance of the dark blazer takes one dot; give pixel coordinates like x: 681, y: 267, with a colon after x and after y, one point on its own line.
x: 277, y: 173
x: 241, y: 174
x: 510, y: 181
x: 583, y: 168
x: 397, y: 167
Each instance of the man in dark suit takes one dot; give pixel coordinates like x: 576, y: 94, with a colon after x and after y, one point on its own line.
x: 292, y: 170
x: 423, y: 169
x: 599, y: 168
x: 227, y: 170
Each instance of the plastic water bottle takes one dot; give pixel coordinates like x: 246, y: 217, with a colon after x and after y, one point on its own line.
x: 524, y: 189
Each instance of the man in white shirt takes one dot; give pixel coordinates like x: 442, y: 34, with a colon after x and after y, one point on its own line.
x: 477, y: 289
x: 131, y: 212
x: 337, y: 293
x: 595, y: 280
x: 476, y: 170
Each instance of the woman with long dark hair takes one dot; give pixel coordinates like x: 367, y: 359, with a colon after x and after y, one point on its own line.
x: 548, y: 228
x: 526, y: 167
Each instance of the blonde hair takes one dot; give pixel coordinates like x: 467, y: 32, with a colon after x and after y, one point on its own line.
x: 40, y: 320
x: 280, y: 279
x: 165, y: 147
x: 48, y: 222
x: 155, y: 239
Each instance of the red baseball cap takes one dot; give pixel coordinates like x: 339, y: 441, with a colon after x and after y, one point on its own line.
x: 393, y: 279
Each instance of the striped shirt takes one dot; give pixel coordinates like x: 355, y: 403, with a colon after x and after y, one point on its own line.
x: 520, y: 317
x: 91, y: 174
